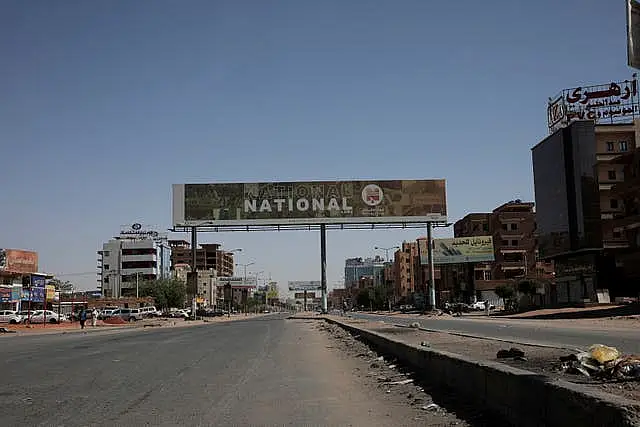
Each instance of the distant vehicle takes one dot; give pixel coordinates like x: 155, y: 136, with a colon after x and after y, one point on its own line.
x: 11, y: 317
x: 480, y: 305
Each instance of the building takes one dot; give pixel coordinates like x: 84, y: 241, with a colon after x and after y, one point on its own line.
x: 572, y: 224
x: 131, y: 258
x: 208, y: 256
x: 207, y: 291
x: 621, y: 230
x: 337, y: 297
x: 356, y: 268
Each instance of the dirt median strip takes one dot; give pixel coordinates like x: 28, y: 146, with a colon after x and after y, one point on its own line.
x: 527, y: 392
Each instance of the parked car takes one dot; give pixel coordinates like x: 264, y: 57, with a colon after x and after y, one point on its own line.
x: 11, y: 317
x: 40, y: 316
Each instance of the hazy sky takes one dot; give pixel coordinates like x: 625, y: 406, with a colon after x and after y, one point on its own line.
x: 105, y: 104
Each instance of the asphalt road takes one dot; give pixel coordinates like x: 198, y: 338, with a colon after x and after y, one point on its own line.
x: 529, y: 331
x: 262, y: 371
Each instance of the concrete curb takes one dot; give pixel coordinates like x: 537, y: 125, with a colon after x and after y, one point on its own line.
x: 521, y: 397
x: 480, y: 337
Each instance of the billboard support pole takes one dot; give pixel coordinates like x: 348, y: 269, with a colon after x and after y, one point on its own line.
x: 323, y: 265
x: 194, y: 252
x: 432, y: 287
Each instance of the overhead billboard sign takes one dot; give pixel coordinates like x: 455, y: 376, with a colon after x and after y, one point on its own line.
x: 305, y: 285
x: 633, y: 34
x: 314, y: 202
x: 459, y: 250
x: 608, y: 103
x: 237, y: 282
x: 18, y: 261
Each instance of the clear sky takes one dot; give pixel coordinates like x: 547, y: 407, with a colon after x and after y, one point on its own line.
x: 103, y: 105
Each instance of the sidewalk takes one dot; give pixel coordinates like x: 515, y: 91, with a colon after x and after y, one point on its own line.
x: 542, y: 360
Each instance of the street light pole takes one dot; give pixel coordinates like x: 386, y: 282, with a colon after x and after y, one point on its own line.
x: 386, y: 251
x: 244, y: 279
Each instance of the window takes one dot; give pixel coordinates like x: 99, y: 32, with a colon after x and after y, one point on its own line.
x: 611, y: 175
x: 504, y: 242
x: 613, y: 203
x: 514, y: 226
x: 617, y: 234
x: 106, y: 253
x: 504, y: 227
x: 514, y: 243
x: 476, y: 227
x: 105, y: 267
x: 485, y: 226
x: 622, y: 145
x: 610, y: 146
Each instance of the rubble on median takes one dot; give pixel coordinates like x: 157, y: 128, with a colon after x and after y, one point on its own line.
x: 604, y: 362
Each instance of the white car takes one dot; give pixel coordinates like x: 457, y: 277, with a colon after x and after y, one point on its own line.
x: 11, y: 317
x: 40, y: 316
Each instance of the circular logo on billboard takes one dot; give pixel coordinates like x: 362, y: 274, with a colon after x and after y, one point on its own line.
x: 372, y: 195
x: 137, y: 226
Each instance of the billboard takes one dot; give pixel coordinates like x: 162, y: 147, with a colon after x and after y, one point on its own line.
x: 238, y: 282
x: 607, y: 103
x: 305, y: 285
x: 137, y: 231
x: 5, y: 293
x: 633, y: 34
x: 314, y: 202
x: 459, y: 250
x: 18, y: 261
x: 300, y: 295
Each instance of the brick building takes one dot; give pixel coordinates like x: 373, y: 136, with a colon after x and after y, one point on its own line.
x: 208, y: 256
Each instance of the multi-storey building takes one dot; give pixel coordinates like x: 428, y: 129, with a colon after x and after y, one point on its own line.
x: 125, y: 262
x: 356, y: 268
x: 208, y: 256
x: 576, y: 210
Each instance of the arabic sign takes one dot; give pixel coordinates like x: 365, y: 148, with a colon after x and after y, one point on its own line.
x: 609, y: 103
x: 459, y: 250
x: 238, y: 282
x: 318, y: 202
x: 138, y: 231
x: 18, y: 261
x: 302, y: 285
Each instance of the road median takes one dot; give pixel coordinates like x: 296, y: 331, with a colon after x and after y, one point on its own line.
x: 521, y: 396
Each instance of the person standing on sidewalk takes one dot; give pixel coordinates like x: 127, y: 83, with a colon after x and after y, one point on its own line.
x: 83, y: 318
x: 94, y: 317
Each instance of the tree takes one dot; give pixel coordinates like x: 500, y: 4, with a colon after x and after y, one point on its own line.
x: 167, y: 293
x: 506, y: 293
x: 63, y: 286
x: 363, y: 298
x: 527, y: 287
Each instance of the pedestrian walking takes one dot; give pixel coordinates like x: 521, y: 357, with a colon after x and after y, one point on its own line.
x: 83, y: 318
x: 94, y: 318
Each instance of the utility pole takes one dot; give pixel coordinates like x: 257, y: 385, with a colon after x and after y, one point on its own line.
x: 137, y: 285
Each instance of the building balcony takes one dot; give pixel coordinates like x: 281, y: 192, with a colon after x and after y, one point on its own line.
x: 615, y: 243
x: 627, y: 223
x: 137, y: 258
x: 513, y: 249
x: 133, y: 271
x: 511, y: 234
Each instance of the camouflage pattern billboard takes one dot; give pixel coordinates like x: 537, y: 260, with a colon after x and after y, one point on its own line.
x: 315, y: 202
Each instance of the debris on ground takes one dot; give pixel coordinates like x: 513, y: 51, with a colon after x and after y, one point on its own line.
x: 414, y: 325
x: 604, y: 362
x: 6, y: 331
x: 512, y: 353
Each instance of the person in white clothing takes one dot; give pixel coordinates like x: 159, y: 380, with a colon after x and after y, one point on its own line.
x: 94, y: 317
